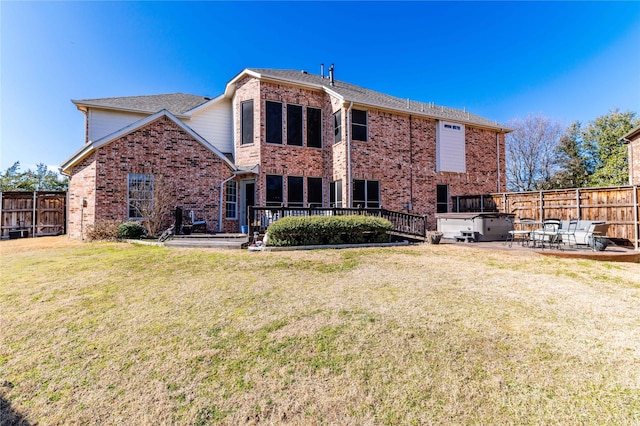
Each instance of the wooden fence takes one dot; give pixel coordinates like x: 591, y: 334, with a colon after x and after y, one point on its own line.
x: 35, y: 214
x: 618, y: 206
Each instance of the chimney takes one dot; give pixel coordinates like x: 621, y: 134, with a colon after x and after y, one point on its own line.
x: 322, y: 70
x: 331, y: 75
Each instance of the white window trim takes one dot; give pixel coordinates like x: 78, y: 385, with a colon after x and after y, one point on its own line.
x: 227, y: 202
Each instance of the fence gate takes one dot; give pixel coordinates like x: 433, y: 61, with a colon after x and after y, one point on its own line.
x: 34, y: 214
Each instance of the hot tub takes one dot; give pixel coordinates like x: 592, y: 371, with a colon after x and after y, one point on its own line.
x: 485, y: 226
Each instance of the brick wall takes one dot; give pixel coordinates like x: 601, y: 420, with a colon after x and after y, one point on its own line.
x: 192, y: 174
x: 634, y: 163
x: 283, y: 159
x: 400, y: 152
x: 82, y: 196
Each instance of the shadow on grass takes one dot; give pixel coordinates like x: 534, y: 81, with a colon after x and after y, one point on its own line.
x: 10, y: 417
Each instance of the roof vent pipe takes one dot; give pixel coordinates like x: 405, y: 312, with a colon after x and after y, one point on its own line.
x: 331, y: 75
x: 322, y: 70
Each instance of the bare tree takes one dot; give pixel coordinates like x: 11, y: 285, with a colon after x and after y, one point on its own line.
x: 153, y: 200
x: 531, y: 153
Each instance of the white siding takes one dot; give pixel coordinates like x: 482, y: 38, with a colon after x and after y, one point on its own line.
x: 103, y: 122
x: 450, y: 149
x: 214, y: 123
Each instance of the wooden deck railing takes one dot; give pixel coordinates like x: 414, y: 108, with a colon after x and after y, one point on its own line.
x: 404, y: 224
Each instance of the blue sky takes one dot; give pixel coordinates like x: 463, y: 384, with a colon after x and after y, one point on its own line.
x: 502, y: 60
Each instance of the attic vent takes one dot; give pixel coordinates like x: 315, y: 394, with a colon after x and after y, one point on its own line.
x: 304, y: 72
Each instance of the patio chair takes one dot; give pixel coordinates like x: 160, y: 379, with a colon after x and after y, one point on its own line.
x: 565, y: 235
x: 523, y: 234
x: 197, y: 223
x: 547, y: 234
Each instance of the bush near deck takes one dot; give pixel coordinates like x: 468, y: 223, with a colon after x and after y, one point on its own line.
x: 317, y: 230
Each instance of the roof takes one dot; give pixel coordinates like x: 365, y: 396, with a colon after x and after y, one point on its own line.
x: 176, y: 103
x: 93, y: 145
x: 632, y: 134
x: 366, y: 97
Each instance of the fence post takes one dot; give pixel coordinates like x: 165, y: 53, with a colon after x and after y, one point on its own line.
x: 541, y: 206
x: 635, y: 217
x: 33, y: 214
x: 578, y: 208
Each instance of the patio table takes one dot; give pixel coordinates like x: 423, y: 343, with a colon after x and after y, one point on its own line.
x: 550, y: 232
x: 522, y: 232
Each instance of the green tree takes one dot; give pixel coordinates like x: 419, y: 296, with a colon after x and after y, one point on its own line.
x: 572, y: 160
x: 10, y: 178
x: 42, y: 179
x: 605, y: 150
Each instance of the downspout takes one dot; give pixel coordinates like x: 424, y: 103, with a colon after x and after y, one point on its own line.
x: 410, y: 205
x: 498, y: 157
x: 348, y: 134
x: 636, y: 228
x: 220, y: 201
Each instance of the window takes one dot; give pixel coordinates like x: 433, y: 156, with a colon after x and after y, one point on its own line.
x: 295, y: 191
x: 294, y: 125
x: 335, y: 194
x: 442, y: 198
x: 140, y: 195
x: 314, y: 192
x: 359, y: 125
x: 274, y: 122
x: 231, y: 203
x: 314, y: 127
x: 247, y: 122
x: 274, y: 190
x: 366, y: 193
x: 450, y: 148
x: 337, y: 127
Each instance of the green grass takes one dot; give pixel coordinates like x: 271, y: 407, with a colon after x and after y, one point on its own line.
x: 117, y: 333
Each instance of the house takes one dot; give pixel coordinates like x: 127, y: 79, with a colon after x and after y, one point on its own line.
x: 632, y: 139
x: 279, y: 137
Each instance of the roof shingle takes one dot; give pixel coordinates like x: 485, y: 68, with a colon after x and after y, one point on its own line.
x: 175, y: 103
x: 368, y: 97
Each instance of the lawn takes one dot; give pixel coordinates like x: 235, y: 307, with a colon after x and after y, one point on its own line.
x: 114, y: 333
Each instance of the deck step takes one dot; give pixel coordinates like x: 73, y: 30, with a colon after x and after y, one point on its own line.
x: 226, y: 241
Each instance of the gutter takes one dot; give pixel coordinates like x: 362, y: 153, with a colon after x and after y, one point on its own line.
x: 498, y: 157
x: 348, y: 134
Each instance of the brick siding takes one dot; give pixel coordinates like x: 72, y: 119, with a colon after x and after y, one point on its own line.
x: 634, y: 163
x: 400, y: 152
x: 192, y: 173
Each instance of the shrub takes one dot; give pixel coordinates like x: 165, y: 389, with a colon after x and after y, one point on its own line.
x: 103, y: 230
x: 131, y: 230
x: 318, y: 230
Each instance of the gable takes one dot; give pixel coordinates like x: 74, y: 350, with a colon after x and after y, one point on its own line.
x: 214, y: 123
x: 102, y: 122
x: 94, y: 145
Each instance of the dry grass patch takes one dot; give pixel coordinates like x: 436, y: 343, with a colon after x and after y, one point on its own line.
x: 115, y: 333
